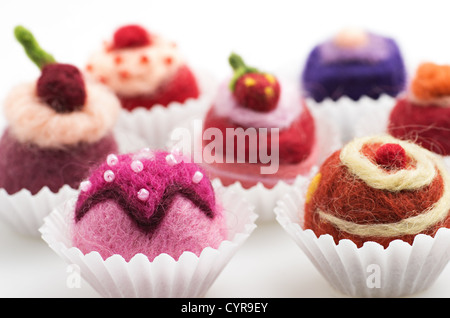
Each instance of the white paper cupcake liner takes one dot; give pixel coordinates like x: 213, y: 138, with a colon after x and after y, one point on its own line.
x: 370, y: 271
x: 190, y: 276
x: 348, y: 114
x: 264, y: 199
x: 25, y: 212
x: 155, y: 125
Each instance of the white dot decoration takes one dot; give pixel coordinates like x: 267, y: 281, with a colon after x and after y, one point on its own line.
x: 112, y: 160
x: 85, y: 186
x: 170, y: 159
x: 109, y: 176
x: 197, y: 177
x: 143, y: 194
x: 137, y: 166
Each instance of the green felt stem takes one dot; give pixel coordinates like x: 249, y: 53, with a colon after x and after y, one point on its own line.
x: 240, y: 68
x: 32, y: 47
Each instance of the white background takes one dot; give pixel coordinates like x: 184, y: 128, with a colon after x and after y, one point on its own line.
x: 274, y: 35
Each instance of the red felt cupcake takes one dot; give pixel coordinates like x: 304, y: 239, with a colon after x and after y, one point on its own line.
x: 143, y: 69
x: 268, y: 133
x: 423, y: 115
x: 374, y: 218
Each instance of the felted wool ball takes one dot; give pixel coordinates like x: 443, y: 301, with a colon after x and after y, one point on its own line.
x: 378, y: 189
x: 148, y: 202
x: 257, y: 114
x: 354, y: 63
x: 423, y: 115
x: 143, y: 69
x: 58, y: 126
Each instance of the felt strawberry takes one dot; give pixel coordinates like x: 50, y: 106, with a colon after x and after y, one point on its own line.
x: 130, y: 36
x: 61, y: 86
x: 253, y: 89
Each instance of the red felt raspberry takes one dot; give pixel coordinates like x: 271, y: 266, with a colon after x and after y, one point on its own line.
x: 391, y: 156
x: 253, y: 89
x: 62, y: 87
x: 130, y: 36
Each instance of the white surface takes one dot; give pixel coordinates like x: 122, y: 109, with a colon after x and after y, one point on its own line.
x: 268, y: 265
x: 276, y: 35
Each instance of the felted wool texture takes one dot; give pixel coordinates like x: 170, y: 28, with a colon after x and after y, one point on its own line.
x: 431, y: 83
x: 32, y: 167
x: 165, y: 178
x: 354, y: 78
x: 428, y: 126
x: 31, y: 120
x: 136, y: 71
x: 336, y: 192
x: 62, y: 87
x: 181, y: 87
x: 295, y: 142
x: 109, y: 230
x: 288, y: 108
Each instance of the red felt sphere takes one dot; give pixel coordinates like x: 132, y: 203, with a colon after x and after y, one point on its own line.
x: 391, y: 156
x: 426, y: 125
x: 62, y: 87
x: 130, y: 36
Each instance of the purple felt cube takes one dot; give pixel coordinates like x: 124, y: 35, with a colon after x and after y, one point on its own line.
x: 372, y: 70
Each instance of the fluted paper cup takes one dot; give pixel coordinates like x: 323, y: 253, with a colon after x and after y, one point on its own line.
x: 189, y: 276
x: 154, y: 125
x: 349, y: 114
x: 25, y: 212
x: 399, y: 270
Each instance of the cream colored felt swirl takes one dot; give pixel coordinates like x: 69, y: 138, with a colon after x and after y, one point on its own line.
x: 31, y: 120
x: 376, y: 177
x: 412, y: 225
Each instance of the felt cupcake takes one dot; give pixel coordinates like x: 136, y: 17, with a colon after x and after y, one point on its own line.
x: 143, y: 69
x: 354, y: 63
x: 149, y: 224
x: 154, y: 82
x: 374, y: 218
x: 353, y: 73
x: 281, y: 132
x: 423, y: 114
x: 58, y: 127
x: 257, y: 136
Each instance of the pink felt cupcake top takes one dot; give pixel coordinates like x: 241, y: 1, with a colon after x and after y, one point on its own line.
x: 144, y: 184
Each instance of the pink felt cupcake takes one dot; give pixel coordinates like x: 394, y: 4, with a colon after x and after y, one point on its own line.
x: 149, y: 75
x: 58, y: 128
x: 155, y: 211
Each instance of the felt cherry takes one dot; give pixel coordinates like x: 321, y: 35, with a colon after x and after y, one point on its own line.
x: 253, y: 89
x: 391, y: 156
x: 61, y: 86
x: 130, y: 36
